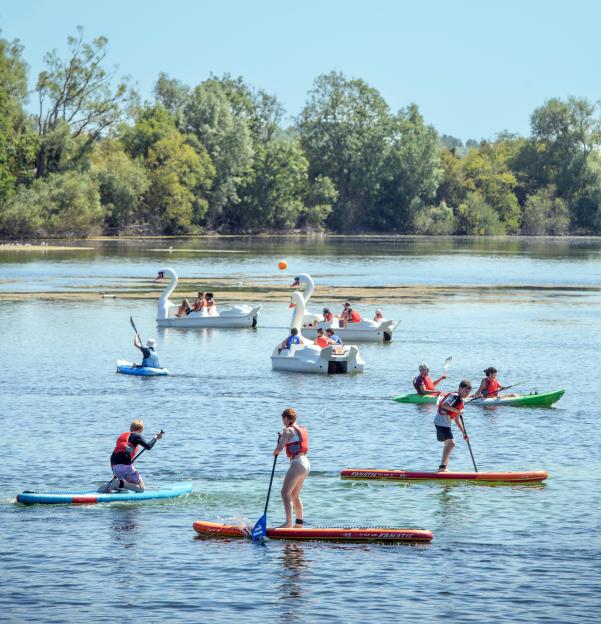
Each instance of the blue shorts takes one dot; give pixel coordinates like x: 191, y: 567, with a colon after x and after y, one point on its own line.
x: 443, y: 433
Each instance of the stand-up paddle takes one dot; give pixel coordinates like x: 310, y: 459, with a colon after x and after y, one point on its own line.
x: 132, y: 461
x: 260, y: 529
x: 469, y: 446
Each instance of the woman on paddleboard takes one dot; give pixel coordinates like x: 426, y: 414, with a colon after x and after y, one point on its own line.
x: 295, y: 439
x: 449, y: 408
x: 423, y: 384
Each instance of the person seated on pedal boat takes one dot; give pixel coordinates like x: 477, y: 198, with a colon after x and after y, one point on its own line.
x: 448, y: 410
x: 210, y: 304
x: 378, y: 316
x: 335, y: 341
x: 352, y: 316
x: 125, y: 475
x: 328, y: 317
x: 150, y: 358
x: 293, y: 339
x: 423, y: 384
x: 199, y: 303
x: 184, y: 308
x: 490, y: 386
x: 322, y: 340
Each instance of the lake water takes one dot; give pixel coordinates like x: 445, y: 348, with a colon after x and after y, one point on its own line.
x: 513, y: 554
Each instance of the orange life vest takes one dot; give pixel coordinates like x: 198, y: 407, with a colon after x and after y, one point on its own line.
x: 355, y: 317
x: 322, y: 341
x: 300, y: 446
x: 123, y: 445
x: 492, y: 387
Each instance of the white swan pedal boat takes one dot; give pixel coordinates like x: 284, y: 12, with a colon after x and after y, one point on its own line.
x: 227, y: 317
x: 309, y: 358
x: 364, y: 331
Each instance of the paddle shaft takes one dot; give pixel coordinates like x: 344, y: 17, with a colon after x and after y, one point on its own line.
x: 275, y: 459
x: 131, y: 320
x: 500, y: 390
x: 469, y: 446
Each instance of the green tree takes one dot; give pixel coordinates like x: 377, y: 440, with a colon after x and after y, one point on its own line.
x: 77, y: 104
x: 122, y: 183
x: 320, y: 196
x: 412, y: 172
x: 345, y: 132
x: 17, y: 141
x: 477, y: 218
x: 209, y: 116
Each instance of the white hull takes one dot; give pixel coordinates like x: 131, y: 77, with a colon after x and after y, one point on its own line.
x: 311, y: 359
x: 364, y: 331
x: 242, y: 316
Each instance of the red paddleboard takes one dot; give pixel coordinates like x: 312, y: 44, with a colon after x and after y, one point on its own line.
x: 532, y: 476
x: 334, y: 534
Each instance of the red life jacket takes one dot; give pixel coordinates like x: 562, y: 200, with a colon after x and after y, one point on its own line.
x: 123, y: 445
x: 301, y: 446
x: 445, y: 412
x: 421, y: 379
x: 355, y: 317
x: 492, y: 387
x: 327, y: 317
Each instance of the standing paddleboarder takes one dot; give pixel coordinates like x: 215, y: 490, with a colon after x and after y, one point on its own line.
x: 449, y: 408
x: 295, y: 439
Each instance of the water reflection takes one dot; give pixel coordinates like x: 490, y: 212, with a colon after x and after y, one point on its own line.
x: 291, y: 588
x: 125, y: 525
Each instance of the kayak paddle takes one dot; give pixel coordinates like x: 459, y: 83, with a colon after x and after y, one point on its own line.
x: 131, y: 320
x: 519, y: 383
x: 446, y: 365
x: 260, y: 529
x: 469, y: 446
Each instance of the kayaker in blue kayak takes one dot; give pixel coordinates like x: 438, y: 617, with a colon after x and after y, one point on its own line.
x: 125, y: 475
x: 423, y: 384
x: 295, y: 439
x: 150, y: 358
x: 449, y: 408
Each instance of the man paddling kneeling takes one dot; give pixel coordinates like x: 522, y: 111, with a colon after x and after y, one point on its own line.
x: 449, y: 408
x: 125, y: 474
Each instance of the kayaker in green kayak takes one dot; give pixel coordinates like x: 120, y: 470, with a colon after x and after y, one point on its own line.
x: 447, y: 411
x: 490, y: 386
x: 423, y: 384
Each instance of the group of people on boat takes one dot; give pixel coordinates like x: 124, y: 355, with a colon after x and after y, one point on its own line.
x: 323, y: 340
x: 450, y: 406
x: 347, y: 316
x: 204, y: 303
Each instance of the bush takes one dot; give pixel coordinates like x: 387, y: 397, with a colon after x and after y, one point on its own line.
x: 545, y: 214
x: 477, y: 218
x: 435, y: 220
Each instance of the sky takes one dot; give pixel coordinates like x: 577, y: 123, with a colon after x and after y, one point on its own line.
x: 473, y: 67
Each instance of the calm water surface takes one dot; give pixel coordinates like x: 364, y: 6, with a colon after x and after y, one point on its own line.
x: 512, y: 554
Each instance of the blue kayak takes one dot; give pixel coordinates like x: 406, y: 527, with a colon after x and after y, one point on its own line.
x: 89, y: 497
x: 129, y: 368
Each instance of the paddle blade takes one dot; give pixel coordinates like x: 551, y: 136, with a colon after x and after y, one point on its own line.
x: 447, y: 362
x: 260, y: 529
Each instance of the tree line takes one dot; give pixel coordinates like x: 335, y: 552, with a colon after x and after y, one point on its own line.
x: 217, y: 157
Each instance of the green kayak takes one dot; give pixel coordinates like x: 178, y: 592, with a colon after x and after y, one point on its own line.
x: 544, y: 399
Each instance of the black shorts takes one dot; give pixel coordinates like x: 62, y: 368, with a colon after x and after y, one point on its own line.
x: 443, y: 433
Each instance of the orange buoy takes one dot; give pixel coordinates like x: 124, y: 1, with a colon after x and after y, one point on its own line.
x: 282, y: 265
